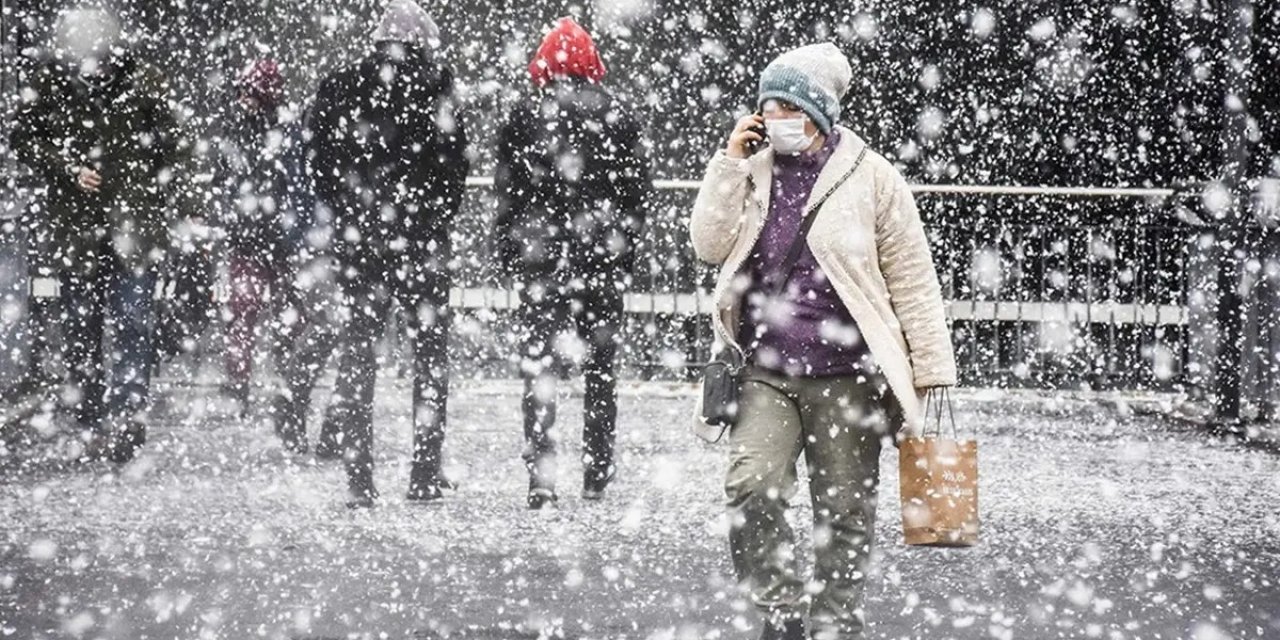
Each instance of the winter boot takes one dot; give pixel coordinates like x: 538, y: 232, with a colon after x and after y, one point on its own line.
x: 239, y: 392
x: 129, y: 436
x: 361, y: 493
x: 426, y: 485
x: 329, y: 447
x: 289, y: 425
x: 241, y: 396
x: 542, y: 479
x: 94, y: 446
x: 361, y: 499
x: 541, y: 496
x: 594, y: 482
x: 789, y: 629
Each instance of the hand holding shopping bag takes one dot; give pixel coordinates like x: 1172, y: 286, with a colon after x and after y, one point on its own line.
x: 939, y: 481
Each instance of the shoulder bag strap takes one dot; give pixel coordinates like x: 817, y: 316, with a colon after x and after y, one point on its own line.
x: 798, y: 244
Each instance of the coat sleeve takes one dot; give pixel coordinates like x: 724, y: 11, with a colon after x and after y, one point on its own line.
x: 170, y: 147
x: 633, y: 181
x: 914, y: 290
x: 513, y: 187
x: 718, y: 211
x: 33, y: 139
x: 321, y: 161
x: 295, y: 189
x: 174, y: 164
x: 451, y: 148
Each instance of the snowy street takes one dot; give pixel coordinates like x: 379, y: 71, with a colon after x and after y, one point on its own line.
x: 497, y: 242
x: 1093, y: 526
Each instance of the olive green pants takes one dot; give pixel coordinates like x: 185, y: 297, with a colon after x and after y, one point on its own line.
x: 838, y: 423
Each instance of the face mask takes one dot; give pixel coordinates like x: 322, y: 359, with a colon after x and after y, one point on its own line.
x: 786, y: 135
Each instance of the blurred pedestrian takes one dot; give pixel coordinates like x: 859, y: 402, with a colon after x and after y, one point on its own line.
x: 840, y: 339
x: 388, y: 156
x: 266, y: 200
x: 96, y: 123
x: 571, y: 179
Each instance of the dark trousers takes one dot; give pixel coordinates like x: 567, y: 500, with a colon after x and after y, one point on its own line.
x: 253, y: 285
x: 118, y: 301
x: 423, y: 293
x: 561, y: 320
x: 309, y: 332
x: 184, y: 315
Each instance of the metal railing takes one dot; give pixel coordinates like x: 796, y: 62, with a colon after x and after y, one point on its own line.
x: 1044, y: 286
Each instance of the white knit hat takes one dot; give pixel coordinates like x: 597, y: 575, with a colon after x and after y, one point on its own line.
x: 406, y: 21
x: 86, y: 31
x: 815, y: 78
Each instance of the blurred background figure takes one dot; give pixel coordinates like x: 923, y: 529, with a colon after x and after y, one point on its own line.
x: 388, y: 156
x: 99, y: 129
x: 571, y: 179
x: 266, y: 211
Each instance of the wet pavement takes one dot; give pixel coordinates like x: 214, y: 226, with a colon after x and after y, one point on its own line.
x: 1097, y: 523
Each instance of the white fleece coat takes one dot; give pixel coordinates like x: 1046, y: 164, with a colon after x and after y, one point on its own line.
x: 869, y: 241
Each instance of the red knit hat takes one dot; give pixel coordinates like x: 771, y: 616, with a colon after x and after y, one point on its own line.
x: 262, y: 81
x: 566, y: 51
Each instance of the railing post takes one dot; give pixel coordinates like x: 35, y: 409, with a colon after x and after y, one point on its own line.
x: 1233, y: 231
x: 1229, y: 316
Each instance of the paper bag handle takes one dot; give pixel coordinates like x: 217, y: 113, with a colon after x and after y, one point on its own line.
x: 934, y: 400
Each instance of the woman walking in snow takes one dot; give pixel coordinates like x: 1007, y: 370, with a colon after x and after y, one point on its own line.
x: 839, y: 344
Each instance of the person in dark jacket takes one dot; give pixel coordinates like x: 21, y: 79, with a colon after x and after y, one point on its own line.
x: 97, y: 125
x: 572, y: 175
x: 388, y: 156
x: 266, y: 205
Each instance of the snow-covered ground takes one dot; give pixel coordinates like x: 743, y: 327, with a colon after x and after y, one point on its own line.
x: 1093, y: 526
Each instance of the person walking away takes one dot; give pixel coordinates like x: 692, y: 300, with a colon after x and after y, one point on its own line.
x: 97, y: 125
x: 839, y: 349
x: 571, y: 178
x: 266, y: 208
x: 388, y: 156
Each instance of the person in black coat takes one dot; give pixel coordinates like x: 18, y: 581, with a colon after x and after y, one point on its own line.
x: 98, y: 126
x: 388, y: 157
x: 571, y: 180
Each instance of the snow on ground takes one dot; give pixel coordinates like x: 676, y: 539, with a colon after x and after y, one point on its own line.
x: 1094, y: 526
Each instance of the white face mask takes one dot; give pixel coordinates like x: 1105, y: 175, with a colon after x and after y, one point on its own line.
x: 787, y: 136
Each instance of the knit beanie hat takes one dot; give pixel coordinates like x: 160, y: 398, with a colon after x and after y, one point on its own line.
x: 567, y: 51
x: 814, y: 78
x: 263, y: 82
x: 86, y: 32
x: 405, y: 21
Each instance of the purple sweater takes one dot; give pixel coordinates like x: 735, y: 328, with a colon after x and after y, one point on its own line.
x: 807, y: 331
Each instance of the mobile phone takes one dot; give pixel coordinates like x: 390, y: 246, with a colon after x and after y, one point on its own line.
x: 755, y: 145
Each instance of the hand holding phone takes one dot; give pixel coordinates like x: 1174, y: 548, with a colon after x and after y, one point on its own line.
x: 760, y: 130
x: 747, y: 137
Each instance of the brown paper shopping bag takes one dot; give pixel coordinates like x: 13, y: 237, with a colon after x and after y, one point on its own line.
x: 939, y: 482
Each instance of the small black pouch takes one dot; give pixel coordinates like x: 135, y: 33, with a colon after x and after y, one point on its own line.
x: 722, y: 388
